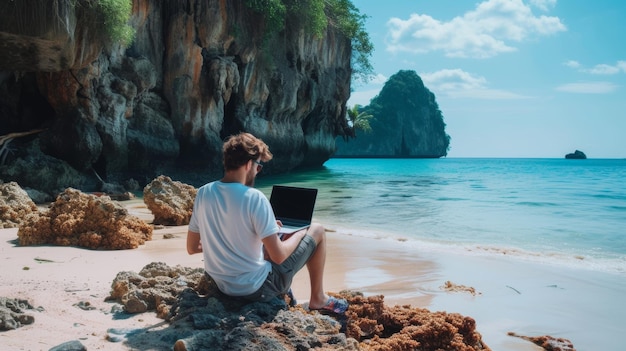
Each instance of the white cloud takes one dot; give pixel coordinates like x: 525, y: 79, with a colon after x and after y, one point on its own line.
x: 602, y: 68
x: 543, y: 5
x: 453, y: 83
x: 452, y: 79
x: 588, y: 87
x: 484, y: 32
x: 457, y: 83
x: 572, y: 64
x: 362, y: 97
x: 619, y: 67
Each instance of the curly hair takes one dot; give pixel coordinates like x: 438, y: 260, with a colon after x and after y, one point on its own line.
x: 243, y: 147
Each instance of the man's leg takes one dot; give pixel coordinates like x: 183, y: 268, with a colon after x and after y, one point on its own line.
x: 315, y: 266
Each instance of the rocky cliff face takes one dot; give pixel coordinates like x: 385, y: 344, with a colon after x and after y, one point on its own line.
x: 196, y: 72
x: 406, y: 123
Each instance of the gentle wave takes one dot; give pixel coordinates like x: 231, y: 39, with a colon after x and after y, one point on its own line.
x: 545, y: 210
x: 616, y: 265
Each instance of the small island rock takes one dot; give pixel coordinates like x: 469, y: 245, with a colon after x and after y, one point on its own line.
x: 576, y: 155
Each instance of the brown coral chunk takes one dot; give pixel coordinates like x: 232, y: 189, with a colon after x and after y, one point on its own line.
x: 452, y: 287
x: 384, y: 328
x: 170, y: 202
x: 79, y: 219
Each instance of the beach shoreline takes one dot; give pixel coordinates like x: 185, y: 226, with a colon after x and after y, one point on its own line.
x: 60, y: 279
x: 509, y: 295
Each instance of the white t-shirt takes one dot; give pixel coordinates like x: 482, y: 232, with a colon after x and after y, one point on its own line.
x: 232, y: 219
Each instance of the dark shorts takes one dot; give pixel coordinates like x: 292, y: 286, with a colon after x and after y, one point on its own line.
x: 279, y: 279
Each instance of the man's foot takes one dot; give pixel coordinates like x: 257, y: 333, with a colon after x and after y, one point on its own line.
x: 333, y: 305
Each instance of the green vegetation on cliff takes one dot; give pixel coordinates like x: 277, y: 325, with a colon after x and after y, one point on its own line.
x: 113, y: 17
x: 107, y: 19
x: 359, y: 119
x: 314, y: 16
x: 406, y: 122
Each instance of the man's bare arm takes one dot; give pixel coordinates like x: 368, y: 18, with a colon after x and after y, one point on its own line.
x: 193, y: 243
x: 278, y: 250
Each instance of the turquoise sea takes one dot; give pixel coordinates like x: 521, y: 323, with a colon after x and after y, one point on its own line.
x: 557, y: 211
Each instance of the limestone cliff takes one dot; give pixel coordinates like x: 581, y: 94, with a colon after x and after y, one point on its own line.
x: 406, y: 122
x: 196, y: 72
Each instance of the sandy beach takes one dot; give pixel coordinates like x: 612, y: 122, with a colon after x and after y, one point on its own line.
x: 521, y: 297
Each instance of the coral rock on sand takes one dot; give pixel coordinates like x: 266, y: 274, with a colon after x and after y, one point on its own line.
x: 79, y: 219
x: 380, y: 327
x: 170, y: 202
x: 155, y: 287
x: 12, y: 315
x: 15, y: 205
x: 201, y: 318
x: 547, y: 342
x: 452, y: 287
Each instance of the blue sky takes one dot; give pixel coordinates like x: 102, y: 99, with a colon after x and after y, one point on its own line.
x: 512, y: 78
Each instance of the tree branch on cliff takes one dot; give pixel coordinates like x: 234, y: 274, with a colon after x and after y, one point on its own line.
x: 7, y: 138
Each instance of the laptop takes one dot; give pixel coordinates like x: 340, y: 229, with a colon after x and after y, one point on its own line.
x: 293, y: 206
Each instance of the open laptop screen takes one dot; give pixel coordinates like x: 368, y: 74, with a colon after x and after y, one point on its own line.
x: 293, y: 204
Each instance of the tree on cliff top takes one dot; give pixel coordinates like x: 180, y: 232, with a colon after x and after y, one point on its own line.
x: 359, y: 119
x: 113, y: 19
x: 107, y: 19
x: 314, y: 16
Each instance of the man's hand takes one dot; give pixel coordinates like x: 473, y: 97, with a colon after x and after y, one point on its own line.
x: 277, y: 251
x: 286, y: 236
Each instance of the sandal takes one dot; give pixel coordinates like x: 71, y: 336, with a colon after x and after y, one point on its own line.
x: 333, y: 305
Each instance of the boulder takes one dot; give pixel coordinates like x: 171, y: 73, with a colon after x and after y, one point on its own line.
x: 13, y: 313
x: 15, y: 205
x: 73, y: 345
x: 171, y: 202
x: 79, y: 219
x: 202, y: 318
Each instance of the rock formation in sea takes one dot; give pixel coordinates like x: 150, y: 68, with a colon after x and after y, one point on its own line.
x: 406, y: 122
x: 85, y: 220
x: 96, y: 112
x: 576, y: 155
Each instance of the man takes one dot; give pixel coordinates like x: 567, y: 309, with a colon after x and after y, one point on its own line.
x: 233, y: 225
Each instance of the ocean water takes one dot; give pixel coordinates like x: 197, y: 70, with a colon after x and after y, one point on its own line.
x: 557, y: 211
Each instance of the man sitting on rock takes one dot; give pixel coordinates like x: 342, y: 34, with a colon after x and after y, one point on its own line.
x: 234, y: 226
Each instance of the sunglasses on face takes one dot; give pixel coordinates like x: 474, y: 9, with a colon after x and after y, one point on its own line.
x: 259, y: 165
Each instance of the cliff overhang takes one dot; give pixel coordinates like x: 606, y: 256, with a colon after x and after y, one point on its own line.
x: 196, y: 72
